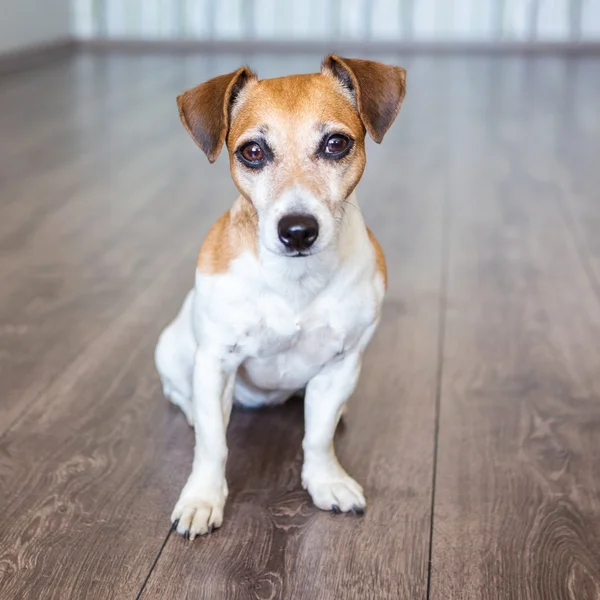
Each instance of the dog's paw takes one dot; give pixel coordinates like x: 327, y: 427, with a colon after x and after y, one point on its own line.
x: 198, y: 513
x: 335, y: 491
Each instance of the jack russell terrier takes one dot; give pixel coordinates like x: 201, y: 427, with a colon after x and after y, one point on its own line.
x: 289, y: 282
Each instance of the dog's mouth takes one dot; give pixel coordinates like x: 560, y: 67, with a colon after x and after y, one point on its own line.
x: 302, y: 253
x: 295, y: 253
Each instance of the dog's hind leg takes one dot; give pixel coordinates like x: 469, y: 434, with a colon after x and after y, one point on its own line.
x: 174, y: 358
x: 183, y: 402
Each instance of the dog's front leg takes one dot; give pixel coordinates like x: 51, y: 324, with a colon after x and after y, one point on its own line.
x: 200, y: 506
x: 329, y: 485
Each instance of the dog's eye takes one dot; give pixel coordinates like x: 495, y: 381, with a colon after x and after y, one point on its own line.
x: 252, y: 154
x: 335, y: 146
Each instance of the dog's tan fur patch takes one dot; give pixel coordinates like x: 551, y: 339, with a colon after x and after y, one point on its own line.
x: 379, y: 257
x: 233, y: 233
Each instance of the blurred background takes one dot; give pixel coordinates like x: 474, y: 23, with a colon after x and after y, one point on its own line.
x: 482, y: 384
x: 26, y: 22
x: 344, y: 20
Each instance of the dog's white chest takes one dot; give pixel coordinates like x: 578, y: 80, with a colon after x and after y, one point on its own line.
x: 282, y: 333
x: 289, y: 362
x: 288, y: 349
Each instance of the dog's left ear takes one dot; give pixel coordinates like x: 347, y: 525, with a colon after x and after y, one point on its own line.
x: 379, y: 90
x: 205, y: 110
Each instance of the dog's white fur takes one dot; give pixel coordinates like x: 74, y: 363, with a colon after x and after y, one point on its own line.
x: 265, y: 329
x: 269, y: 326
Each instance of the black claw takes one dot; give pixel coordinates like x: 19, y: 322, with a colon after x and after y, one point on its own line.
x: 336, y: 509
x: 186, y: 535
x: 175, y: 523
x: 358, y: 510
x: 211, y: 528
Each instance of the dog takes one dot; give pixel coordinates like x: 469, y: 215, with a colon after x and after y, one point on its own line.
x: 289, y: 282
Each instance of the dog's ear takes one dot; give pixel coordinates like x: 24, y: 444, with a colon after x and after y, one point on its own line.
x: 379, y: 90
x: 205, y: 110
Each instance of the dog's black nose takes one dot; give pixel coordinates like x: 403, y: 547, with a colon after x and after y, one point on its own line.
x: 298, y: 232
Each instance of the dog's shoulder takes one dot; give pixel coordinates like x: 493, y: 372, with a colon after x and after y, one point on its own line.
x: 379, y: 257
x: 234, y: 233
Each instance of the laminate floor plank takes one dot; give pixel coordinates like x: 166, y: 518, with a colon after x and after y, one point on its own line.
x: 83, y: 500
x: 73, y: 258
x: 82, y: 306
x: 486, y: 182
x: 91, y: 456
x: 517, y: 493
x: 60, y: 308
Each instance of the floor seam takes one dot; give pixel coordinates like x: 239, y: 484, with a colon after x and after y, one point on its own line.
x: 443, y: 305
x: 154, y: 563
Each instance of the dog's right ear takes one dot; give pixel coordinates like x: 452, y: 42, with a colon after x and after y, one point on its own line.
x: 378, y: 89
x: 205, y: 110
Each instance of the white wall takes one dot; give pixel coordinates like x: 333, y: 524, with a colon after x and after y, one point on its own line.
x: 327, y: 20
x: 29, y: 23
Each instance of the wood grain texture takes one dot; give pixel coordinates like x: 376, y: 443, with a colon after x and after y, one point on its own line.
x: 71, y: 235
x: 517, y: 495
x: 97, y: 249
x: 103, y: 204
x: 88, y: 282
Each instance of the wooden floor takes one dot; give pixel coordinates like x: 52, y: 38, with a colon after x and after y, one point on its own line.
x: 475, y: 429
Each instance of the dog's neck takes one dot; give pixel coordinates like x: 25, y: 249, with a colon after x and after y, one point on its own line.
x: 301, y: 279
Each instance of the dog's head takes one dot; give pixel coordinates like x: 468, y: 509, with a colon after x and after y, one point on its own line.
x: 296, y: 144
